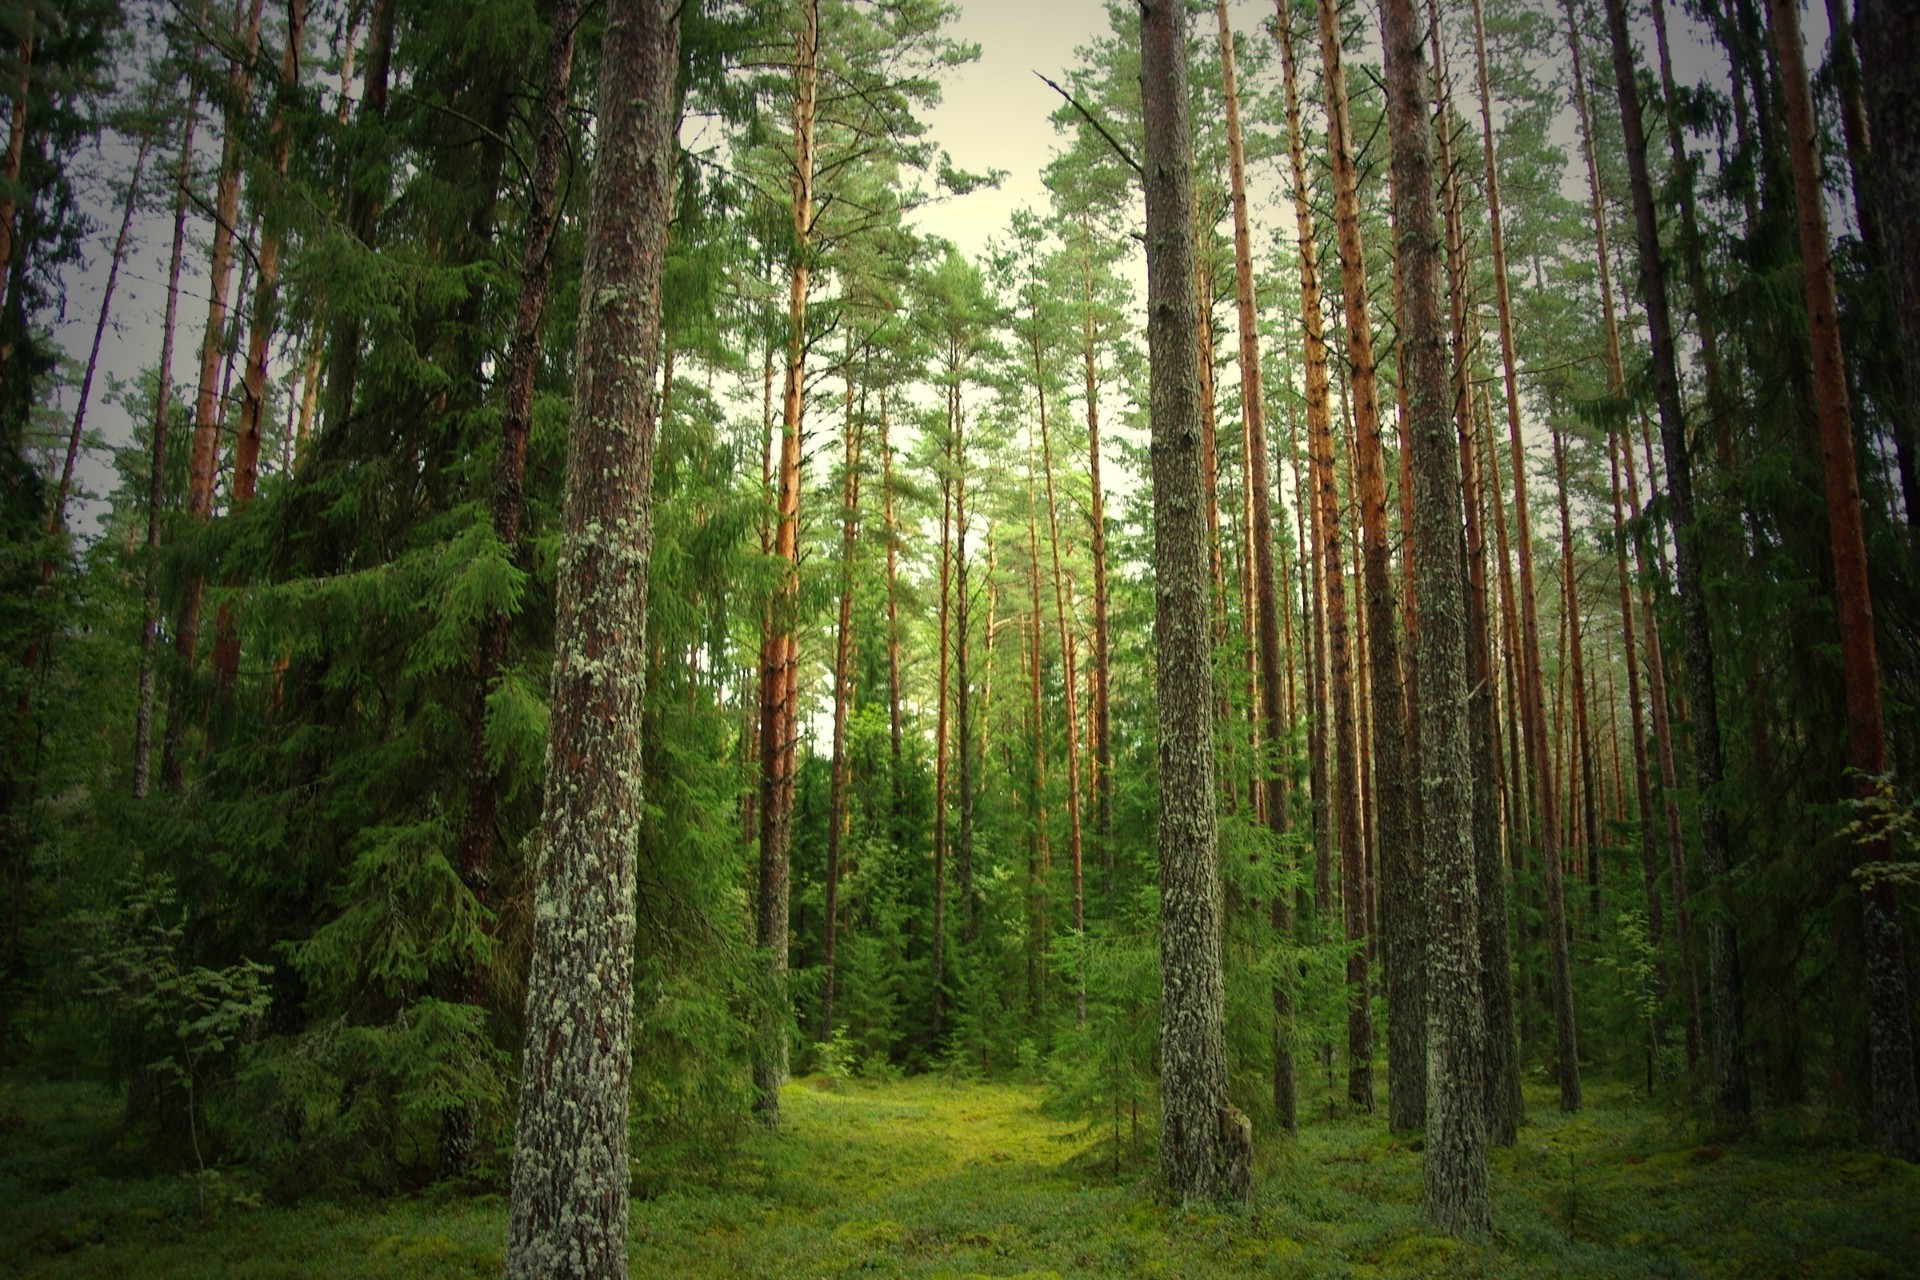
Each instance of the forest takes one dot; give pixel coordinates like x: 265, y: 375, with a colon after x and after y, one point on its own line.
x: 1334, y: 693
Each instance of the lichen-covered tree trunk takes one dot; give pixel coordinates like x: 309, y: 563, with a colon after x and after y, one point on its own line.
x: 568, y: 1212
x: 780, y: 650
x: 1533, y: 687
x: 1201, y: 1153
x: 1732, y: 1094
x: 1455, y: 1167
x: 1896, y: 1107
x: 1502, y: 1075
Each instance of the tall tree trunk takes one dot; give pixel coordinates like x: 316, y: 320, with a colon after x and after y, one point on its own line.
x: 568, y: 1212
x: 253, y: 379
x: 940, y: 739
x: 477, y: 835
x: 157, y: 467
x: 963, y: 685
x: 842, y: 696
x: 1889, y: 31
x: 1039, y: 847
x: 1732, y: 1095
x: 780, y: 653
x: 1896, y: 1107
x: 1560, y: 967
x: 1326, y: 524
x: 1069, y: 676
x: 1100, y: 738
x: 1504, y: 1102
x: 1274, y: 728
x: 897, y: 814
x: 1204, y: 1141
x: 360, y: 210
x: 1401, y: 906
x: 1455, y: 1194
x: 206, y: 425
x: 16, y: 155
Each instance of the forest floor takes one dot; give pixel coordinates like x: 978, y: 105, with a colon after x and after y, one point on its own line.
x: 935, y: 1177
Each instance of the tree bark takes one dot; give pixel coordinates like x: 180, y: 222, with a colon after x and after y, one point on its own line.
x: 842, y: 699
x: 1889, y: 30
x: 1533, y: 686
x: 1732, y: 1094
x: 206, y: 426
x: 1099, y: 729
x: 1454, y: 1196
x: 568, y: 1211
x: 1201, y: 1155
x: 1896, y: 1107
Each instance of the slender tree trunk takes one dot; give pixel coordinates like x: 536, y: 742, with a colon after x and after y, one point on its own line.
x: 1069, y: 676
x: 780, y: 654
x: 1732, y: 1095
x: 253, y: 379
x: 963, y: 685
x: 157, y: 470
x: 1559, y: 962
x: 1896, y: 1108
x: 1327, y: 539
x: 1204, y: 1141
x: 360, y: 210
x: 894, y: 731
x: 206, y: 425
x: 1395, y: 856
x: 1273, y: 727
x: 842, y: 697
x: 940, y: 744
x: 1888, y: 32
x: 1039, y: 848
x: 1455, y: 1196
x: 568, y: 1212
x: 16, y: 155
x: 1098, y: 733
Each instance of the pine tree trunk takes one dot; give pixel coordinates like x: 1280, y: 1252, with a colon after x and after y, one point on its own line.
x: 1505, y: 1106
x: 360, y: 210
x: 1896, y: 1108
x: 568, y: 1211
x: 940, y: 739
x: 1402, y: 907
x: 780, y: 654
x: 1732, y: 1094
x: 1203, y: 1152
x: 1039, y: 849
x: 206, y: 426
x: 1889, y: 30
x: 842, y: 700
x: 896, y: 829
x: 253, y: 378
x: 1273, y: 727
x: 1455, y: 1197
x: 1534, y: 719
x: 1326, y: 539
x: 1100, y: 738
x: 157, y: 467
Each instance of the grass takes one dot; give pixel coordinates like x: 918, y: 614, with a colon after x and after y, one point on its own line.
x: 934, y: 1177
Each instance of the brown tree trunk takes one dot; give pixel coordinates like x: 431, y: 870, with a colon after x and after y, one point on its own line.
x: 940, y: 738
x: 897, y: 815
x: 1560, y: 966
x: 1455, y: 1196
x: 157, y: 468
x: 568, y: 1211
x: 1098, y: 732
x: 206, y: 427
x: 1896, y: 1107
x: 1204, y: 1153
x: 253, y: 379
x: 1273, y: 727
x: 842, y: 696
x: 780, y: 652
x: 1039, y: 845
x: 1326, y: 507
x: 1732, y: 1095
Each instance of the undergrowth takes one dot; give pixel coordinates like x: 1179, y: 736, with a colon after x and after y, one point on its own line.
x: 937, y: 1176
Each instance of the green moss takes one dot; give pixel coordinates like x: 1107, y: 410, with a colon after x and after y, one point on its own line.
x: 933, y: 1177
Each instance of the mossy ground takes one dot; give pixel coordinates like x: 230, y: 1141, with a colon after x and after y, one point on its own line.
x: 934, y: 1177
